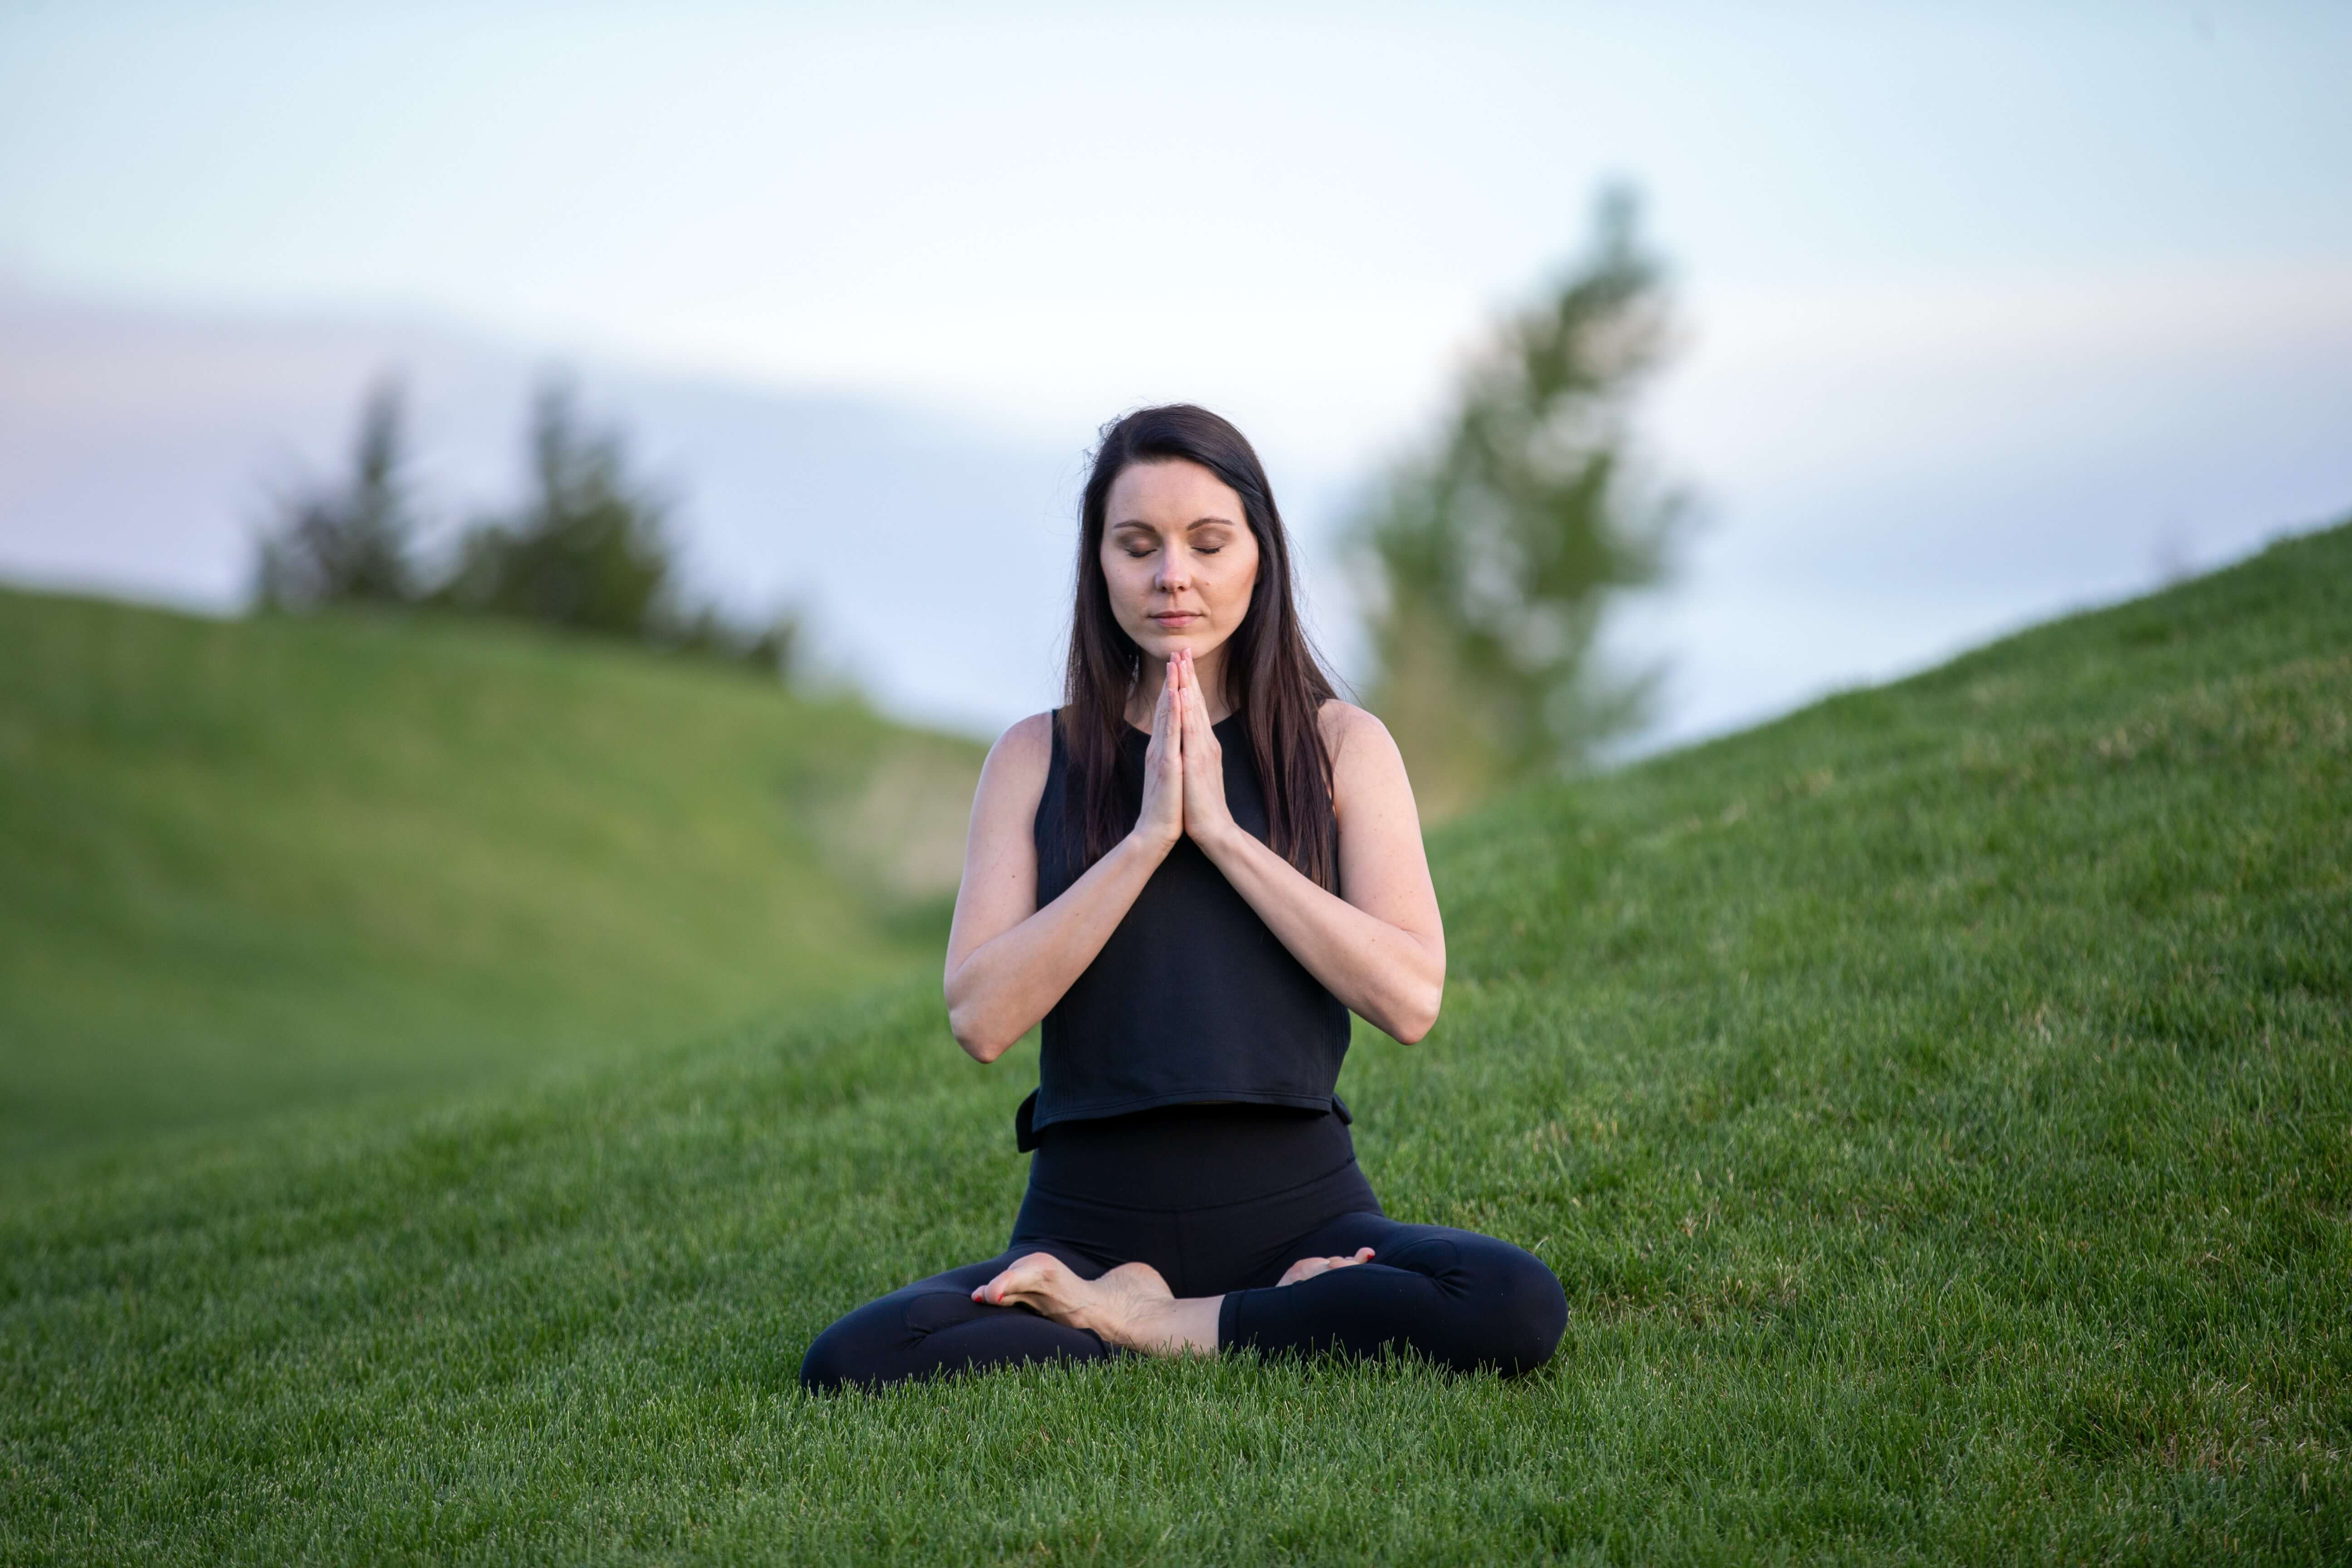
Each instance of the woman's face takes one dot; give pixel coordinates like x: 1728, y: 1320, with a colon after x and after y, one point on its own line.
x: 1179, y: 557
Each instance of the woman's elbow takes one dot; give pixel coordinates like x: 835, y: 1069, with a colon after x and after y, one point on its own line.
x: 1416, y: 1015
x: 981, y: 1044
x: 964, y: 1019
x: 1412, y: 1030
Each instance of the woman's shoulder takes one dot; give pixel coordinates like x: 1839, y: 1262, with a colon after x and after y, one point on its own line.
x: 1345, y: 726
x: 1366, y: 767
x: 1012, y: 779
x: 1027, y: 745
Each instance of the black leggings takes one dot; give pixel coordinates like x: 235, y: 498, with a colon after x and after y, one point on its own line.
x: 1220, y: 1200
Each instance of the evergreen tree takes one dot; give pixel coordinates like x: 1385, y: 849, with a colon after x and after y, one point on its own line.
x: 1493, y: 553
x: 349, y: 542
x: 588, y: 550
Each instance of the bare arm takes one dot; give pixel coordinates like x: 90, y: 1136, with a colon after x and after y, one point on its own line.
x: 1009, y: 961
x: 1379, y: 945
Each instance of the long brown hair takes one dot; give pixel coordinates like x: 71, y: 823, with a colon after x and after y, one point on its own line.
x: 1272, y: 675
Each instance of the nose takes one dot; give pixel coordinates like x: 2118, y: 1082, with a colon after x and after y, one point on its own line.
x: 1175, y: 572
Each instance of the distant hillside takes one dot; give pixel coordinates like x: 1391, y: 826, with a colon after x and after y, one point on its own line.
x: 137, y: 442
x: 256, y: 864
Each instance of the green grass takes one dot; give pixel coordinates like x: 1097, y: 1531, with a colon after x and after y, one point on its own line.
x: 1937, y: 1105
x: 253, y: 865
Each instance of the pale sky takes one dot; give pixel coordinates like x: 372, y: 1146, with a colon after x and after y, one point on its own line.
x: 1987, y: 309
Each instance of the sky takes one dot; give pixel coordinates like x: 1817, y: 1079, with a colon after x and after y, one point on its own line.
x: 1984, y: 311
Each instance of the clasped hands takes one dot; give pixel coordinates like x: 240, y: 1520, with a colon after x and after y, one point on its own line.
x: 1184, y: 768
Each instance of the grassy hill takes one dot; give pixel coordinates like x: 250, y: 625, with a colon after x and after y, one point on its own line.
x: 1937, y: 1105
x: 252, y: 865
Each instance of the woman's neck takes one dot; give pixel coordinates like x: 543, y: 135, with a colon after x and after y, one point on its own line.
x: 1208, y: 668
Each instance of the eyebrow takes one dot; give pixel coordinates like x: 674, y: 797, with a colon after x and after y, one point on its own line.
x: 1196, y: 522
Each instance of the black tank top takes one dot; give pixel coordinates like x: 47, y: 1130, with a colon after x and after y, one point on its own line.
x: 1192, y: 999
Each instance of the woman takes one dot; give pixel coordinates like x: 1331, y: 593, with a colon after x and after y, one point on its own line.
x: 1192, y: 874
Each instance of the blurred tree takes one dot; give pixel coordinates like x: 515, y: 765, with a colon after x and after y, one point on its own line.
x: 1492, y: 555
x: 775, y: 646
x: 351, y: 542
x: 588, y: 550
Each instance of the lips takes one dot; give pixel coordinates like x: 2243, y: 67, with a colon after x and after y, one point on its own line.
x: 1176, y: 618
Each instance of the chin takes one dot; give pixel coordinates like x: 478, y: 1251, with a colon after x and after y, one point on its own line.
x: 1159, y: 643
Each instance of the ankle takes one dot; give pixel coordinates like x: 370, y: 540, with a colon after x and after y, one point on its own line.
x: 1168, y: 1326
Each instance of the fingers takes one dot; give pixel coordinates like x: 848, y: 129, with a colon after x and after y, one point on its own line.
x: 1196, y: 703
x: 1166, y: 749
x: 1194, y: 700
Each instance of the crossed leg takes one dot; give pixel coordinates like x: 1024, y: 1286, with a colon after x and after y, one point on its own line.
x: 934, y: 1326
x: 1365, y: 1283
x: 1130, y: 1307
x: 1453, y: 1296
x: 1358, y: 1285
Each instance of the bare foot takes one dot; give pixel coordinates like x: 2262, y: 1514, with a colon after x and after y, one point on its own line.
x: 1308, y: 1268
x: 1130, y: 1306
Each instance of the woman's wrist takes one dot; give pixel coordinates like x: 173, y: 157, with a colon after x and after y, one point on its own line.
x: 1216, y: 840
x: 1151, y: 842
